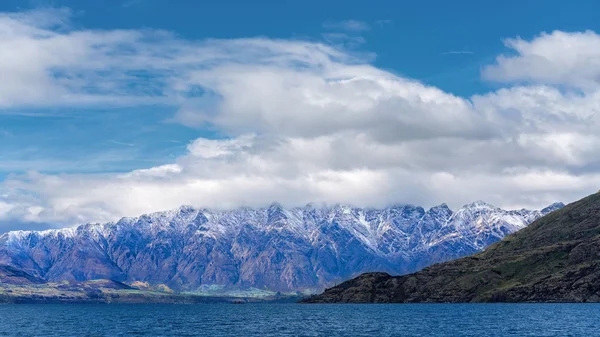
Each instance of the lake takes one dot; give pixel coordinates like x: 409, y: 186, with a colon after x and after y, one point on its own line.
x: 301, y: 320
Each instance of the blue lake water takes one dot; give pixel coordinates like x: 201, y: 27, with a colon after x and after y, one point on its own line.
x: 301, y: 320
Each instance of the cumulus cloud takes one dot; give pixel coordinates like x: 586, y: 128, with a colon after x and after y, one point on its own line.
x: 302, y: 122
x: 45, y: 62
x: 561, y: 58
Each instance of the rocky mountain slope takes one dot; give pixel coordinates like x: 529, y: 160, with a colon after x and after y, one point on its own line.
x: 555, y: 259
x: 274, y: 248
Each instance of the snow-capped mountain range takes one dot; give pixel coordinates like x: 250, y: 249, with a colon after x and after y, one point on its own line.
x: 270, y: 248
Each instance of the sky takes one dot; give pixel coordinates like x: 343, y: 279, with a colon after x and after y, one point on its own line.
x: 122, y: 107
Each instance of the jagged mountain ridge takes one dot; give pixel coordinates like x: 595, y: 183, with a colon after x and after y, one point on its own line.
x: 554, y: 259
x: 269, y: 248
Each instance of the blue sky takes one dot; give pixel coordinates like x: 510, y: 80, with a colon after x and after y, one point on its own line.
x: 225, y: 101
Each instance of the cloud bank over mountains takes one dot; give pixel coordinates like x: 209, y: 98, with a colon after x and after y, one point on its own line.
x: 303, y: 121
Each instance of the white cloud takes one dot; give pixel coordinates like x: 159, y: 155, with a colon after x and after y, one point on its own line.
x: 47, y: 63
x: 347, y: 25
x: 571, y: 59
x: 305, y: 122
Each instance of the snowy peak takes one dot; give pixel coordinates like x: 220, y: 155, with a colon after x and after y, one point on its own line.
x: 441, y: 210
x: 276, y: 215
x: 275, y: 207
x: 275, y: 248
x: 555, y: 206
x: 479, y: 205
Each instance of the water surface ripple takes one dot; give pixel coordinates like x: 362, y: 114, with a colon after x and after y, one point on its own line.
x: 301, y: 320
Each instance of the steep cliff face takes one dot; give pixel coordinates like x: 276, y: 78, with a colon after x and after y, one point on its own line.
x: 555, y: 259
x: 273, y: 248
